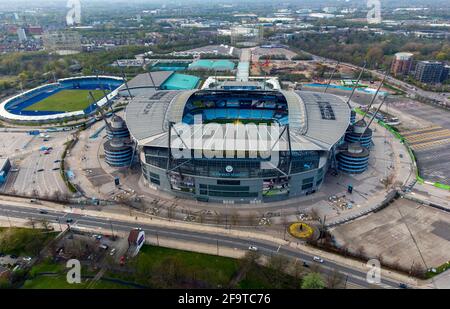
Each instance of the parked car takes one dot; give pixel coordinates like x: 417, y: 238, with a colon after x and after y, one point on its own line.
x: 113, y: 251
x: 69, y: 220
x: 40, y: 170
x: 103, y: 246
x: 403, y: 286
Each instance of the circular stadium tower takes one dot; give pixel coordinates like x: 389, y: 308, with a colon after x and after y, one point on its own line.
x: 118, y: 152
x: 237, y: 146
x: 353, y: 160
x: 359, y: 134
x: 117, y: 128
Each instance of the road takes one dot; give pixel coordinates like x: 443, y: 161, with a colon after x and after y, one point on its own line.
x: 413, y: 91
x: 354, y: 276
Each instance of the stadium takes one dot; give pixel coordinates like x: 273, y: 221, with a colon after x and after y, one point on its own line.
x: 66, y: 98
x: 311, y: 125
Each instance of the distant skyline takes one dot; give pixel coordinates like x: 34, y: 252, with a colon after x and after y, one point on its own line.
x: 23, y: 4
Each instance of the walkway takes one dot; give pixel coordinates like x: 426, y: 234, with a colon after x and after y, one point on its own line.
x: 243, y: 70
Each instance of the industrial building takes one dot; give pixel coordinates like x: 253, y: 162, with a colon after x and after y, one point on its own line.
x: 312, y: 127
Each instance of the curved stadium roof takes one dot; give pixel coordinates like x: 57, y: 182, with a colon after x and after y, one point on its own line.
x: 317, y: 120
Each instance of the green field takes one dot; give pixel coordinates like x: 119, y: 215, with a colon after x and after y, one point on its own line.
x: 157, y: 267
x: 67, y: 101
x: 22, y: 242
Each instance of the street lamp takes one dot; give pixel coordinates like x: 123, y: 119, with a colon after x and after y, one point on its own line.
x: 112, y: 230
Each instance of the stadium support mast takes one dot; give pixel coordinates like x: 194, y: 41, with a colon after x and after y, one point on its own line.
x: 100, y: 109
x: 375, y: 95
x: 331, y: 77
x: 373, y: 117
x: 105, y: 94
x: 124, y: 78
x: 151, y: 79
x: 356, y: 84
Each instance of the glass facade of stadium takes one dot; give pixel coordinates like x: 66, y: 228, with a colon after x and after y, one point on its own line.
x: 237, y: 180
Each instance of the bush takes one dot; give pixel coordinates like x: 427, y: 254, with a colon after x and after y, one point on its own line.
x: 313, y: 281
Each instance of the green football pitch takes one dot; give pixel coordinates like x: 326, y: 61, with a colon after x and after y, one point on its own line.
x: 67, y: 101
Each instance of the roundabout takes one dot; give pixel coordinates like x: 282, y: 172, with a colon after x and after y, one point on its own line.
x: 301, y: 230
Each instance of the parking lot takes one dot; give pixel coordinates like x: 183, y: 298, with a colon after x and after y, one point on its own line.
x: 35, y: 171
x: 400, y: 233
x: 431, y: 146
x: 430, y: 113
x: 14, y: 143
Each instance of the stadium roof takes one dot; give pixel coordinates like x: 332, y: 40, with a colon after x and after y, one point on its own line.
x: 144, y: 81
x: 317, y: 120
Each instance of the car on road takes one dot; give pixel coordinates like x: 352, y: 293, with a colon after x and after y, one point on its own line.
x: 69, y: 220
x: 253, y: 248
x: 103, y: 246
x: 57, y: 161
x: 318, y: 259
x: 113, y: 251
x: 40, y: 170
x: 43, y: 212
x: 403, y: 286
x: 56, y: 169
x: 13, y: 256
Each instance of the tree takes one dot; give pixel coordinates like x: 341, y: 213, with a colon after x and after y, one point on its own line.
x: 45, y: 224
x: 335, y: 280
x: 278, y: 263
x: 313, y: 281
x: 31, y: 223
